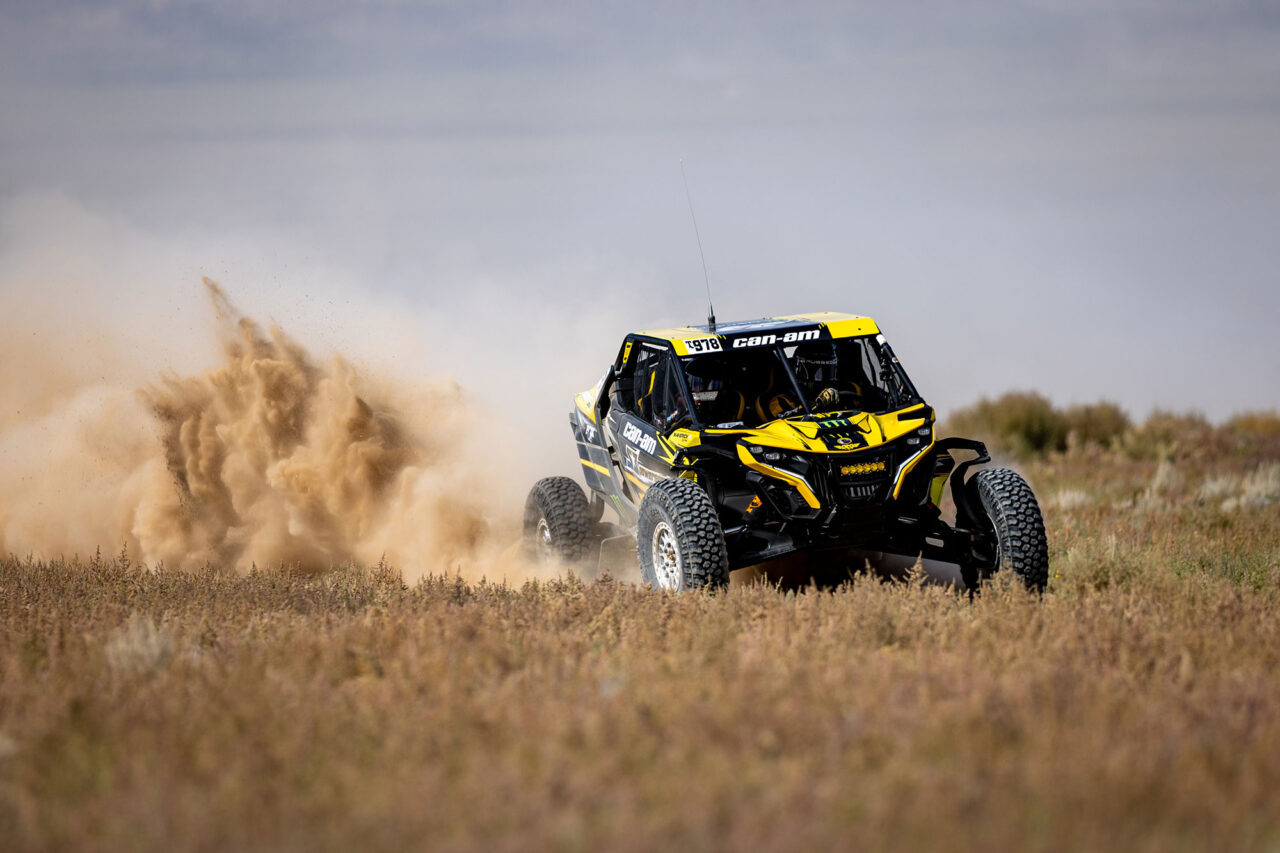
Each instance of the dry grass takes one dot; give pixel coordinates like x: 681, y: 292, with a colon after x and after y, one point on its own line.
x: 1135, y: 707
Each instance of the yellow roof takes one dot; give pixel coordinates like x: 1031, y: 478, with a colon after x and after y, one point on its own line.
x: 836, y: 326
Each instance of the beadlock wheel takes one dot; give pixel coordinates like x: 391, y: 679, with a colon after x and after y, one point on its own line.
x: 679, y: 541
x: 666, y: 558
x: 543, y: 539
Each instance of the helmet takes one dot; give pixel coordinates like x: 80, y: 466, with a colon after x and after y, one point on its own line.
x: 704, y: 374
x: 816, y: 362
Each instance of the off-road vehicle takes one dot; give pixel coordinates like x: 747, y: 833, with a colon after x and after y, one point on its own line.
x: 725, y: 446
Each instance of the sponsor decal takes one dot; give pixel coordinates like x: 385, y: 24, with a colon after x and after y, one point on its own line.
x: 701, y: 345
x: 684, y: 437
x: 845, y: 442
x: 862, y: 468
x: 648, y: 476
x: 768, y: 340
x: 836, y: 424
x: 639, y: 438
x: 631, y: 464
x: 588, y: 428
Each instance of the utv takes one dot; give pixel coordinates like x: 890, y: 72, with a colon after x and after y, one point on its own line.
x: 726, y: 446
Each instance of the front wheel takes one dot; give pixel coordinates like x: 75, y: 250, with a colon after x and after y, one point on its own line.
x: 679, y: 540
x: 1014, y: 518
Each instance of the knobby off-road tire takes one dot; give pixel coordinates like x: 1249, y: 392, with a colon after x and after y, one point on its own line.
x: 679, y: 539
x: 557, y: 520
x: 1011, y: 508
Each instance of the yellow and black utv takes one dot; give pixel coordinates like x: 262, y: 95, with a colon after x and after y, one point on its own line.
x: 726, y: 446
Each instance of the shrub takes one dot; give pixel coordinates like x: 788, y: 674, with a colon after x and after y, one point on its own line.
x: 1166, y: 435
x: 1022, y: 422
x: 1026, y: 423
x: 1255, y: 424
x: 1101, y: 424
x: 1255, y: 435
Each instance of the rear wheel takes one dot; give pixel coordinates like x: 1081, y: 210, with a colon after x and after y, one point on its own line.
x: 558, y: 521
x: 679, y: 540
x: 1014, y: 517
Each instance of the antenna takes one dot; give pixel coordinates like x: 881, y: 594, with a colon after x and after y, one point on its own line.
x: 711, y: 311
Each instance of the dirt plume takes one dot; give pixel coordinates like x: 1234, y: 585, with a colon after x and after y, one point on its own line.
x: 272, y: 457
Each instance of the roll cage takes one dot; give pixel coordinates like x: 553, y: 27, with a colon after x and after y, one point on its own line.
x: 648, y: 379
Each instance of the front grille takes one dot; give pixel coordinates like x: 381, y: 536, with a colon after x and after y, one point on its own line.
x: 861, y: 492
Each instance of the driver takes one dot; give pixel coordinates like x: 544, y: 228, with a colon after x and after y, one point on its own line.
x: 713, y: 402
x: 817, y: 366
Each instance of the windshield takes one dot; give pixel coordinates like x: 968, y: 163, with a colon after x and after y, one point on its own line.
x: 741, y: 388
x: 857, y: 374
x: 750, y: 387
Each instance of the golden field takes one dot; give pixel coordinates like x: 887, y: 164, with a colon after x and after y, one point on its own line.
x: 1135, y: 706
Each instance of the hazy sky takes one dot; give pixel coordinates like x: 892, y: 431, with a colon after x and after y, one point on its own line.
x: 1079, y: 197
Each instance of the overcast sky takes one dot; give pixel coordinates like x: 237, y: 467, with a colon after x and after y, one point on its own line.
x: 1077, y: 197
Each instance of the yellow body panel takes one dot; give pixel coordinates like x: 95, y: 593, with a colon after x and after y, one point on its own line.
x: 936, y: 486
x: 778, y: 474
x: 586, y: 403
x: 803, y: 435
x: 685, y: 438
x: 839, y: 325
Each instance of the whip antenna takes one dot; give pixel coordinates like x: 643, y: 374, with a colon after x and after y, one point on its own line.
x: 711, y: 311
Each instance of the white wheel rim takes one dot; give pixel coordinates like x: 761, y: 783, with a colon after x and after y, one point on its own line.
x: 668, y: 568
x: 545, y: 550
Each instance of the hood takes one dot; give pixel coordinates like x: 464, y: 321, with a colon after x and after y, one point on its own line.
x: 833, y: 432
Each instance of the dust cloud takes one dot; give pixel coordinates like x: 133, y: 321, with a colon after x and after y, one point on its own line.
x: 273, y: 457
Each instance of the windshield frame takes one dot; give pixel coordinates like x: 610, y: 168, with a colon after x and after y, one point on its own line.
x: 891, y: 379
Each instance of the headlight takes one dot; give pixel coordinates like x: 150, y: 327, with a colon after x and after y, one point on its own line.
x: 787, y: 467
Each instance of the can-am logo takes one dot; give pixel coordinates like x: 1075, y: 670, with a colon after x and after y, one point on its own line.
x: 766, y: 340
x: 637, y: 436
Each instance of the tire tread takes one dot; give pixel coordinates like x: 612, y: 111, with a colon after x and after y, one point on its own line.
x: 1019, y: 525
x: 562, y: 503
x: 697, y: 527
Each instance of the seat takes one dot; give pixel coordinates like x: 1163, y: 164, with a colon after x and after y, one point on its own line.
x: 728, y: 406
x: 644, y: 393
x: 773, y: 401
